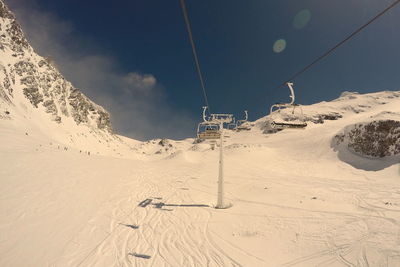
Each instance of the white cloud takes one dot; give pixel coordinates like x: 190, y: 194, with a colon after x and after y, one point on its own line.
x: 136, y: 101
x: 137, y: 81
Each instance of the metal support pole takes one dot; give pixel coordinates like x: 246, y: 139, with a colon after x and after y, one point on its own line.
x: 220, y: 202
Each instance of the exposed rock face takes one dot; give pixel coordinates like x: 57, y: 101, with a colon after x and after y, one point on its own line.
x: 376, y: 139
x: 17, y: 40
x: 5, y: 85
x: 321, y: 118
x: 23, y: 72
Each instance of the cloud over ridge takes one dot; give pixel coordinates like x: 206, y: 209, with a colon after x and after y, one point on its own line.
x: 137, y: 101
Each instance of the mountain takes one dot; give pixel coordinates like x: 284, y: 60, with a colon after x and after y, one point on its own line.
x: 36, y: 99
x: 33, y: 82
x: 35, y: 95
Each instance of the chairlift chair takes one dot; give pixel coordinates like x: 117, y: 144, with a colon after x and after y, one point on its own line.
x: 206, y: 130
x: 292, y: 120
x: 243, y: 124
x: 210, y: 128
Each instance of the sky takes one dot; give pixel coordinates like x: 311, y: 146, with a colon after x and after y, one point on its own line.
x: 134, y: 57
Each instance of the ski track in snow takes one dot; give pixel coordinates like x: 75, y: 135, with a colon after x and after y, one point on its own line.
x: 170, y: 235
x: 166, y: 236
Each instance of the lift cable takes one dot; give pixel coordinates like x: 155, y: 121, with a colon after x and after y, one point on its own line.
x: 196, y: 59
x: 338, y: 44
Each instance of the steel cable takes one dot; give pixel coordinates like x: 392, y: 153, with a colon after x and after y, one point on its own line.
x: 338, y: 44
x: 196, y: 59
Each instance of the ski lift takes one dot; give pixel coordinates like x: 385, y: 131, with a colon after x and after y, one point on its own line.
x: 210, y: 128
x: 292, y: 120
x: 243, y: 124
x: 207, y: 130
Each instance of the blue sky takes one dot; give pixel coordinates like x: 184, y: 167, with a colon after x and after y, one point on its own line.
x: 134, y: 57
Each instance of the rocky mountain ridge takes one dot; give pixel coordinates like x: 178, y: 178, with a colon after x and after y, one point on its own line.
x: 31, y: 81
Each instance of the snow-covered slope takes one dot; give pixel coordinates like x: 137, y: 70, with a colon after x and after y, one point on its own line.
x: 295, y: 203
x: 378, y: 148
x: 75, y: 194
x: 347, y: 105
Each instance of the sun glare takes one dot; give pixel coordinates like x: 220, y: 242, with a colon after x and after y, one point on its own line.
x: 279, y: 46
x: 302, y: 19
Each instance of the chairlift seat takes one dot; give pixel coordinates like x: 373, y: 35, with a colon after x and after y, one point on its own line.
x: 209, y: 135
x: 299, y: 120
x: 243, y: 127
x: 285, y: 125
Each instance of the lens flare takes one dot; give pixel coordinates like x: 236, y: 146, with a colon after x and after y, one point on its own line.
x: 302, y: 19
x: 279, y: 46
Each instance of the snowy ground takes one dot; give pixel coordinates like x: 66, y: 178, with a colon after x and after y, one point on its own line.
x: 295, y: 203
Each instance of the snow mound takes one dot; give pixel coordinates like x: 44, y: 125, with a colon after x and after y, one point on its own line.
x: 349, y: 95
x: 162, y: 148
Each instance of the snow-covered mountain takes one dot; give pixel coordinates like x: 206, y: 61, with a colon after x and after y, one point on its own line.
x: 73, y: 193
x: 32, y: 83
x: 36, y: 99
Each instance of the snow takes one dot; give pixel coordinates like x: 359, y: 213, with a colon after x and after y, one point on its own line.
x: 295, y: 201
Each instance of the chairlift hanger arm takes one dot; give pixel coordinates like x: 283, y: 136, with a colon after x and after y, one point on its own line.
x: 290, y: 85
x: 204, y: 113
x: 285, y: 105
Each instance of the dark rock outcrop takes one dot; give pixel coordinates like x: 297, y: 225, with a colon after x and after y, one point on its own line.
x: 376, y: 139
